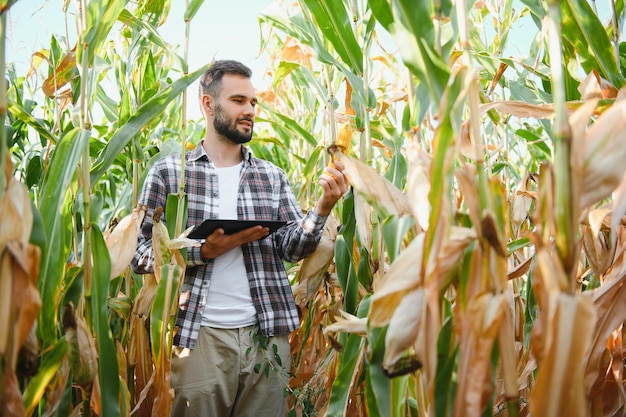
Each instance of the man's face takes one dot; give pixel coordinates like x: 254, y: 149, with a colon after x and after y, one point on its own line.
x: 229, y: 126
x: 234, y: 110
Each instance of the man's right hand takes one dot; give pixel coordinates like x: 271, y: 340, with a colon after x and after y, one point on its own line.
x: 218, y: 243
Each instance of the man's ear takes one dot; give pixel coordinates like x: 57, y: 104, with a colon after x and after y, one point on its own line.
x: 207, y: 104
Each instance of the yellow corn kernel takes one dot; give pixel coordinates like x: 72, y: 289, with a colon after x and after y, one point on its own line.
x: 342, y: 144
x: 344, y: 138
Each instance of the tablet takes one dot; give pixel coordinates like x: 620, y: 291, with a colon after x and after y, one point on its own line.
x: 231, y: 226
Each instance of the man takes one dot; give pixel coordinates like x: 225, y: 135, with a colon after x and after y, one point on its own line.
x: 236, y: 308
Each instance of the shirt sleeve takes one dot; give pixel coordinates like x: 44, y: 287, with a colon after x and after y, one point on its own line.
x: 153, y: 195
x: 299, y: 238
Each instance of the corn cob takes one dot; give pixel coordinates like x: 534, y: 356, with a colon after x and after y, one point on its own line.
x: 342, y: 144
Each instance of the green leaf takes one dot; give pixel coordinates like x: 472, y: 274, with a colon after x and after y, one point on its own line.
x: 394, y: 229
x: 346, y: 274
x: 144, y: 115
x: 50, y: 362
x: 101, y: 15
x: 192, y: 9
x: 446, y: 361
x: 20, y: 113
x: 348, y: 359
x: 166, y: 295
x: 410, y: 24
x: 53, y: 209
x: 581, y: 26
x: 108, y: 372
x: 151, y: 34
x: 333, y: 20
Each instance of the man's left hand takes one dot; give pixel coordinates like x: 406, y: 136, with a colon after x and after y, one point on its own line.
x: 334, y: 184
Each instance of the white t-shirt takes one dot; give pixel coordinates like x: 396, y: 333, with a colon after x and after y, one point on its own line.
x: 229, y: 303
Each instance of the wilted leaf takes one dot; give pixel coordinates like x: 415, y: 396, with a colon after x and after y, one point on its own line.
x: 480, y: 327
x: 122, y: 240
x: 605, y: 154
x: 294, y: 51
x: 348, y: 324
x: 403, y: 275
x: 82, y: 349
x: 452, y: 251
x: 594, y: 86
x: 418, y: 187
x: 466, y: 176
x: 567, y: 327
x: 520, y: 109
x: 521, y: 202
x: 64, y: 73
x: 377, y: 189
x: 404, y: 327
x: 314, y: 267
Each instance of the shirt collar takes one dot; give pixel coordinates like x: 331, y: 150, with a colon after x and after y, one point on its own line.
x: 198, y: 152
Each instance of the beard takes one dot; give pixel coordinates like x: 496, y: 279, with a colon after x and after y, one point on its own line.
x: 227, y: 126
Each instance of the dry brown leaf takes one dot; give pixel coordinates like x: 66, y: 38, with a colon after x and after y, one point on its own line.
x: 122, y: 240
x: 480, y: 327
x: 418, y: 191
x: 404, y: 327
x: 568, y: 327
x: 452, y: 250
x: 610, y: 303
x: 521, y: 202
x: 348, y: 323
x: 492, y: 233
x: 63, y: 74
x: 376, y: 188
x: 605, y: 154
x: 25, y: 292
x: 597, y: 251
x: 520, y: 109
x: 363, y: 214
x: 404, y: 275
x: 294, y: 51
x: 82, y: 349
x: 12, y: 403
x: 594, y: 86
x: 619, y: 204
x: 468, y: 184
x: 315, y: 266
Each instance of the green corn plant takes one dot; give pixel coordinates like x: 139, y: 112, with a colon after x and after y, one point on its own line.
x: 474, y: 268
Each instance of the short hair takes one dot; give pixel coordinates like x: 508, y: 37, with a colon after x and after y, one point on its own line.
x: 211, y: 80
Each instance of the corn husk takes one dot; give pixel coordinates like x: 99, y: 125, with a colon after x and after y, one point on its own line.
x: 82, y: 349
x: 122, y: 240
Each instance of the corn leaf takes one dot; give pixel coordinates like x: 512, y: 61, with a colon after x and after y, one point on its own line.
x: 144, y: 115
x: 50, y: 362
x: 583, y: 28
x: 333, y: 20
x: 108, y: 374
x: 410, y: 24
x: 350, y: 359
x: 56, y: 225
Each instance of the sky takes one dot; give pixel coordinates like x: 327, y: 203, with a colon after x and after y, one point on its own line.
x: 221, y: 30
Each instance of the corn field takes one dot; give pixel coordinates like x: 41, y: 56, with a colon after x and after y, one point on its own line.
x: 476, y: 267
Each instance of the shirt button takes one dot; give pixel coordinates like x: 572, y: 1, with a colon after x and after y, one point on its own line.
x: 214, y: 194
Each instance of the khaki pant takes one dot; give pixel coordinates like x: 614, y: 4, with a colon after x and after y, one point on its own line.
x: 231, y: 373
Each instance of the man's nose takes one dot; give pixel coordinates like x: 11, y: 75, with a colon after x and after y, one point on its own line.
x: 249, y: 109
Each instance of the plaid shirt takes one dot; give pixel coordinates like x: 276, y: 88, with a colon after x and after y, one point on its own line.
x: 265, y: 194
